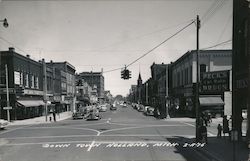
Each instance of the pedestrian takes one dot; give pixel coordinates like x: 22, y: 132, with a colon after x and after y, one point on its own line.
x: 219, y: 128
x: 209, y: 118
x: 204, y: 133
x: 54, y: 116
x: 225, y: 125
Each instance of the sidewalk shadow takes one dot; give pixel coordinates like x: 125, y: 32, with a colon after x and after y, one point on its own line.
x: 217, y: 149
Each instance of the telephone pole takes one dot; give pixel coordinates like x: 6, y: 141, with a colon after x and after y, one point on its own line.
x: 45, y: 89
x: 197, y: 81
x: 7, y: 92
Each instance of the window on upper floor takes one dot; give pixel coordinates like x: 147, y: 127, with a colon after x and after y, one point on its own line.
x: 26, y: 80
x: 36, y: 83
x: 32, y: 81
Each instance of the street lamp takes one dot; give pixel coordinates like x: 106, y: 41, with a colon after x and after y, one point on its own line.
x: 5, y: 22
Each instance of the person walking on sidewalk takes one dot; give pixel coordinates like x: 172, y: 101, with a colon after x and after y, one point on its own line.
x: 54, y: 116
x: 204, y: 133
x: 225, y: 125
x: 219, y: 128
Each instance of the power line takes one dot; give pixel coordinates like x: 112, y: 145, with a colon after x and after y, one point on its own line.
x: 222, y: 43
x: 225, y: 27
x: 153, y: 48
x: 161, y: 43
x: 13, y: 45
x: 214, y: 8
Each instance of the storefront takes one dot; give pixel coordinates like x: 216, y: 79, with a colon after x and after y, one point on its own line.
x: 212, y: 104
x: 29, y: 109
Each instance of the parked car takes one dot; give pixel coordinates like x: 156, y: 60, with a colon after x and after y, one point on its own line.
x: 3, y: 124
x: 244, y: 114
x: 77, y: 115
x: 103, y: 108
x: 93, y: 114
x: 140, y: 108
x: 150, y: 111
x: 113, y: 108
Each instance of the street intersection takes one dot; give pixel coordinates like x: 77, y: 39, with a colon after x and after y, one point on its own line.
x: 125, y: 134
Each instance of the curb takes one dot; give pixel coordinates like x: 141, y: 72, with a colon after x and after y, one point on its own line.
x: 40, y: 122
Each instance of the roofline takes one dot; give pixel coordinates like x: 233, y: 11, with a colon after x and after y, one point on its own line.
x: 201, y: 51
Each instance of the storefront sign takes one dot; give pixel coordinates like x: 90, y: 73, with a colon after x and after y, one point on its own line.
x: 4, y: 90
x: 217, y: 81
x: 33, y: 92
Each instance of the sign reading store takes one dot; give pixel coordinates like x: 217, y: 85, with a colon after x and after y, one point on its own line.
x: 217, y: 81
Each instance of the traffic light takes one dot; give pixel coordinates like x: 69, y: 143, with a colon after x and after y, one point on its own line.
x: 129, y: 74
x: 123, y: 74
x: 126, y: 74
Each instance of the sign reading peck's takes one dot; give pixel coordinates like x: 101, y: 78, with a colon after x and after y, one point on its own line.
x: 217, y: 81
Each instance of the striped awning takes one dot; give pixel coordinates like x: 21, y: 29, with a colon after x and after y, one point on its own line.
x: 31, y: 103
x: 211, y: 101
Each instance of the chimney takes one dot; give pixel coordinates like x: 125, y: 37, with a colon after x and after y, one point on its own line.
x: 28, y: 56
x: 12, y: 49
x: 51, y: 61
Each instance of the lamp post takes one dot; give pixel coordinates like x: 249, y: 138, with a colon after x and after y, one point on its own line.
x: 5, y: 22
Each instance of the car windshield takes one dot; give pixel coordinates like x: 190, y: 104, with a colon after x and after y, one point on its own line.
x: 124, y: 80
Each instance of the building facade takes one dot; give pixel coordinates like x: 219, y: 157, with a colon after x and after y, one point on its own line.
x: 35, y: 85
x: 64, y: 91
x: 95, y: 80
x: 25, y: 82
x: 184, y: 77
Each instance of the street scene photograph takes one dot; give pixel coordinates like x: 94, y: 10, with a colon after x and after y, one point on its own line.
x: 124, y: 80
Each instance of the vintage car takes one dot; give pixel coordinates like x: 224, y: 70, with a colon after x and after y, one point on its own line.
x: 103, y: 108
x: 77, y: 115
x: 113, y: 108
x: 148, y: 111
x: 92, y: 114
x: 3, y: 124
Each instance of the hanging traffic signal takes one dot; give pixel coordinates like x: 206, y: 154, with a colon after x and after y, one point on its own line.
x: 126, y: 74
x: 123, y: 74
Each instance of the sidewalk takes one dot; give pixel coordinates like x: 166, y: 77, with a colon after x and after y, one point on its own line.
x: 218, y: 149
x: 221, y: 149
x: 188, y: 119
x: 41, y: 120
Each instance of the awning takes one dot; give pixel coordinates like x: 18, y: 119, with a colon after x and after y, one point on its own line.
x: 211, y: 101
x: 31, y: 103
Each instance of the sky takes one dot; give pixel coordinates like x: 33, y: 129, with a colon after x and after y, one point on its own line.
x: 109, y: 34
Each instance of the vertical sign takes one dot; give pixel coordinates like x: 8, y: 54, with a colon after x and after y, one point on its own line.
x: 240, y: 61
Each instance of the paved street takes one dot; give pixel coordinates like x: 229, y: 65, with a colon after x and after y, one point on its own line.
x: 125, y: 134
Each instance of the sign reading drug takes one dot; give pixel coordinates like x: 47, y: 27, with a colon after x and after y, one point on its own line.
x: 217, y: 81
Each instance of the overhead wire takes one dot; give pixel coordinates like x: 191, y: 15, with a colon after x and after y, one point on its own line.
x: 148, y: 52
x: 13, y: 45
x: 214, y: 8
x: 216, y: 45
x: 225, y: 27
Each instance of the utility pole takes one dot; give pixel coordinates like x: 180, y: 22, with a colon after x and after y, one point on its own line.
x: 167, y: 93
x: 45, y: 89
x: 197, y: 81
x: 147, y: 93
x: 7, y: 92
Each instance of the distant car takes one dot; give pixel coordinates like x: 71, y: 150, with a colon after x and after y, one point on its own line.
x: 150, y: 111
x: 113, y: 108
x: 124, y: 104
x: 244, y: 114
x: 78, y: 115
x: 3, y: 124
x: 103, y: 108
x: 93, y: 114
x: 140, y: 108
